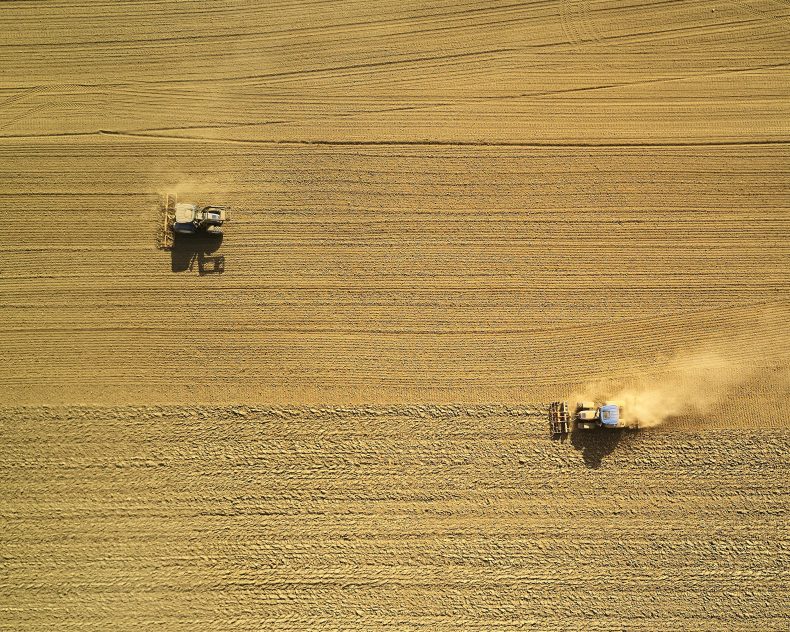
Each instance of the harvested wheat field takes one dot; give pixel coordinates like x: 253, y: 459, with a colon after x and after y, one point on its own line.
x: 445, y: 214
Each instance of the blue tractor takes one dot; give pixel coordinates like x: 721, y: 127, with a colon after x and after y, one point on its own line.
x: 588, y: 416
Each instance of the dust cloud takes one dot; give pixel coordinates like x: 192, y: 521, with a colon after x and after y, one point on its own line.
x: 692, y: 383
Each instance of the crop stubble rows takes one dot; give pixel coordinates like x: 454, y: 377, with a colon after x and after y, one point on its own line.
x: 447, y: 201
x: 371, y: 273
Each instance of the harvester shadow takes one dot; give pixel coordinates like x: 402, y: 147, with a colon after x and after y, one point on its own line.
x: 198, y: 249
x: 595, y: 445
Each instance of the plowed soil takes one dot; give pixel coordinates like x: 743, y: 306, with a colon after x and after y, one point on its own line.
x: 493, y: 203
x: 401, y: 517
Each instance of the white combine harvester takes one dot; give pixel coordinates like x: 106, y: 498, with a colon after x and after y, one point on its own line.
x: 185, y: 218
x: 588, y: 416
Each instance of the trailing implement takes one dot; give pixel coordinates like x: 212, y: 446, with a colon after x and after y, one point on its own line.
x: 559, y: 419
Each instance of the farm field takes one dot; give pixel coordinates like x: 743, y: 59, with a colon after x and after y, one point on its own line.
x: 446, y: 214
x: 404, y: 517
x: 451, y: 202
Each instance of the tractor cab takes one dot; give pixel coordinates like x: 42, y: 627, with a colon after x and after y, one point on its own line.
x: 587, y: 416
x: 610, y: 415
x: 182, y: 218
x: 190, y: 219
x: 590, y: 415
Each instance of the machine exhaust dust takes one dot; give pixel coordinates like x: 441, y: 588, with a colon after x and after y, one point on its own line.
x: 689, y: 384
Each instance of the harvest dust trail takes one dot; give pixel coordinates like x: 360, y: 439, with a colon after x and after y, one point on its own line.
x: 698, y: 382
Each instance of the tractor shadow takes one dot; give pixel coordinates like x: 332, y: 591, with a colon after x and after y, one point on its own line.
x: 596, y: 445
x: 197, y: 249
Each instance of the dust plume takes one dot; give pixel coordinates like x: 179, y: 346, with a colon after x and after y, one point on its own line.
x: 688, y: 384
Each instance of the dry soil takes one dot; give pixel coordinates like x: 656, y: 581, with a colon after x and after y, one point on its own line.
x: 488, y: 202
x: 401, y: 517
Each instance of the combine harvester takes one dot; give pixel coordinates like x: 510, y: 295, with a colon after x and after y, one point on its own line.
x: 588, y: 416
x: 184, y: 218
